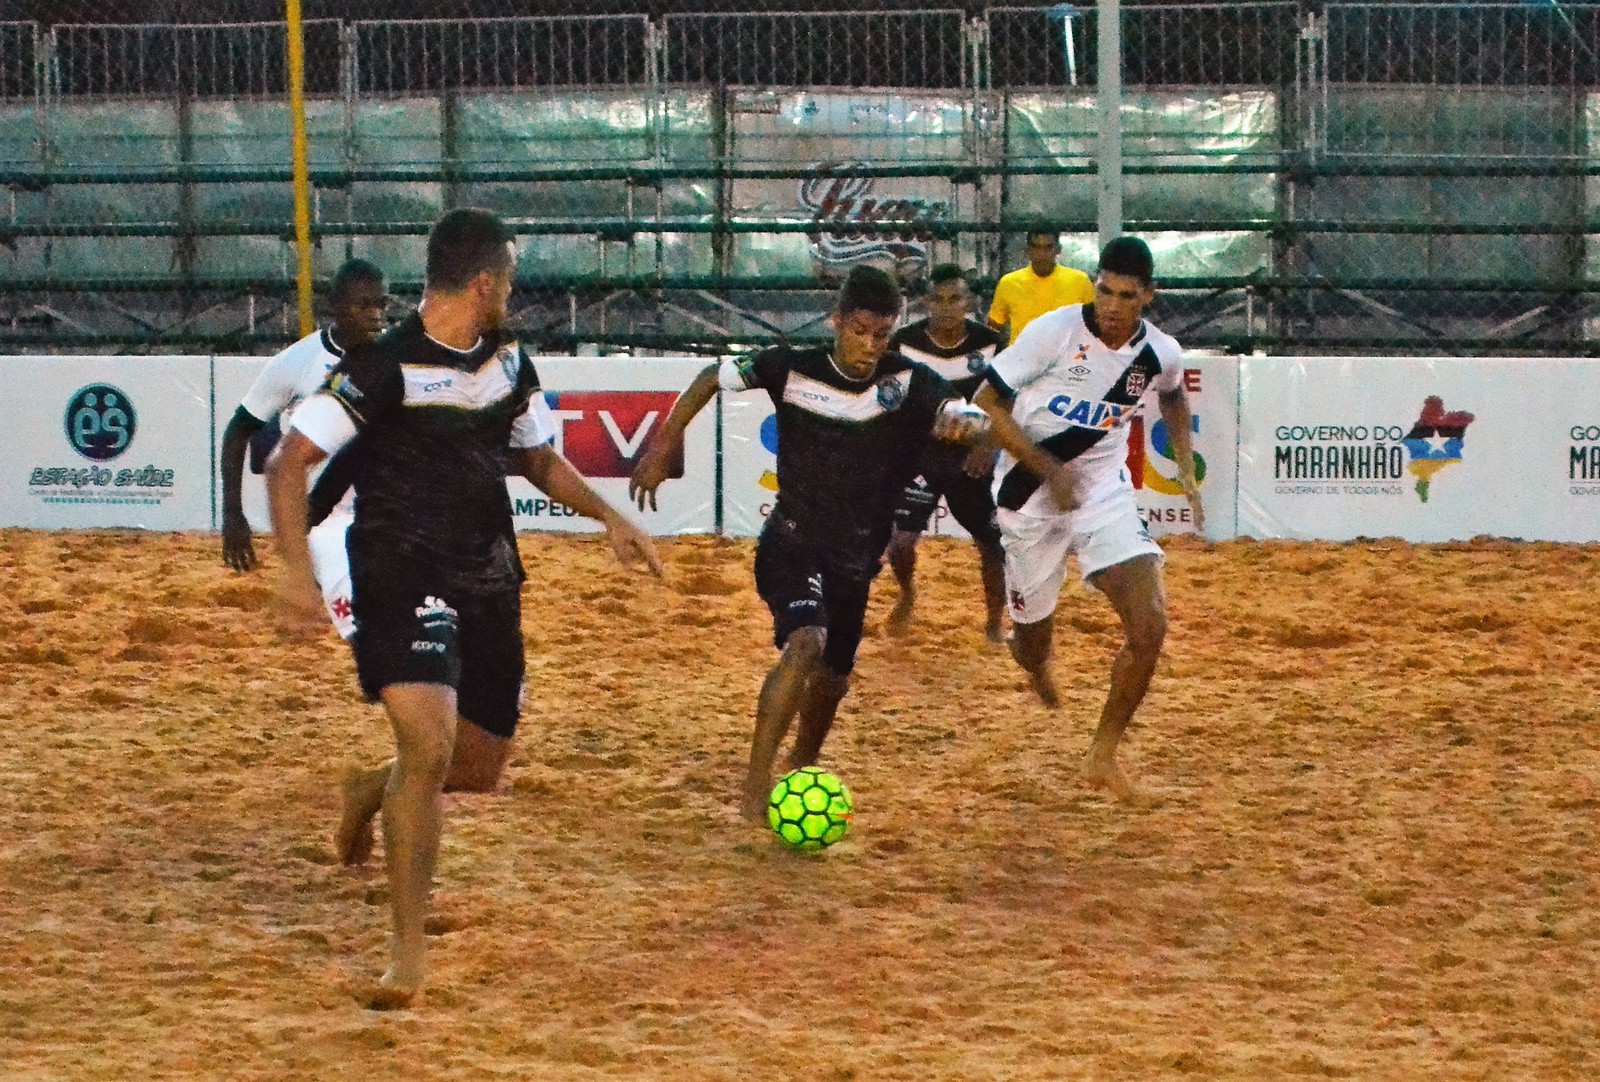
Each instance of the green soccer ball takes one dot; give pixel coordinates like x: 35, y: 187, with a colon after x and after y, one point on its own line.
x: 809, y: 809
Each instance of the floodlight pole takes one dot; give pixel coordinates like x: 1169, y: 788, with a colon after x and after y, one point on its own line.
x: 302, y: 169
x: 1109, y: 83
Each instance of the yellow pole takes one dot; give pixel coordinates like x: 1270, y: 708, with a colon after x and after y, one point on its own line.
x: 302, y: 169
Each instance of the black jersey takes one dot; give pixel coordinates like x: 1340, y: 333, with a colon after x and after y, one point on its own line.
x: 846, y: 448
x: 434, y: 425
x: 962, y: 366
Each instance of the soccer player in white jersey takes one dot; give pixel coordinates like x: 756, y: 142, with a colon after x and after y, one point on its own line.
x: 356, y: 305
x: 1059, y: 400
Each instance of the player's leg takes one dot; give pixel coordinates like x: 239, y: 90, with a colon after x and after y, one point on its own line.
x: 846, y: 600
x: 423, y: 716
x: 493, y: 664
x: 489, y: 702
x: 407, y: 657
x: 782, y: 694
x: 1121, y: 561
x: 476, y: 764
x: 1032, y: 647
x: 911, y: 517
x: 1035, y: 566
x: 972, y: 505
x: 790, y: 581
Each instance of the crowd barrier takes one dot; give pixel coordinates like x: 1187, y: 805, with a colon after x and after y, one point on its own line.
x: 1332, y: 448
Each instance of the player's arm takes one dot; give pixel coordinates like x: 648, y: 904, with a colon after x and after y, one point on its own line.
x: 999, y: 310
x: 238, y: 551
x: 1009, y: 436
x: 332, y: 483
x: 656, y: 462
x: 287, y: 469
x: 1174, y: 406
x: 555, y: 477
x: 360, y: 389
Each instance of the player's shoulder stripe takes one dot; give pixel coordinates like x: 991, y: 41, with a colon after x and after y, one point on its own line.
x: 1166, y: 348
x: 854, y: 405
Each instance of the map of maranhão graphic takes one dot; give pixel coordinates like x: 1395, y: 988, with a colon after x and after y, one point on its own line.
x: 1435, y: 441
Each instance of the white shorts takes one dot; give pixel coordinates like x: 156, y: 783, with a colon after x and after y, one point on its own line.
x: 330, y: 561
x: 1106, y: 534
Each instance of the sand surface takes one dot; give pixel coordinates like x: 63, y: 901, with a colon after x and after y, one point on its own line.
x: 1370, y: 853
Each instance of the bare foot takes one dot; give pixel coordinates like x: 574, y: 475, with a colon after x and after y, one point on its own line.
x: 753, y: 804
x: 396, y: 994
x: 899, y: 621
x: 1043, y: 684
x: 1102, y: 772
x: 363, y: 797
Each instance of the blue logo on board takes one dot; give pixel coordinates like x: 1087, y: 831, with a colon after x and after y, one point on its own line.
x: 100, y: 422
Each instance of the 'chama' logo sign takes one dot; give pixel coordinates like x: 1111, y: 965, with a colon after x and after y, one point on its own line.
x: 842, y: 206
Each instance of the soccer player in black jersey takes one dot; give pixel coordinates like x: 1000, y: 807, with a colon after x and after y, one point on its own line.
x: 959, y: 349
x: 440, y: 403
x: 852, y: 422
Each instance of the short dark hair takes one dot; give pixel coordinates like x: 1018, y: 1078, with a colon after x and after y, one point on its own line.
x: 351, y: 272
x: 1130, y: 256
x: 869, y: 289
x: 946, y: 272
x: 462, y: 245
x: 1043, y: 229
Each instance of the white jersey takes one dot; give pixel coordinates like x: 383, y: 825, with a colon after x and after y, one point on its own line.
x: 292, y: 376
x: 1074, y: 396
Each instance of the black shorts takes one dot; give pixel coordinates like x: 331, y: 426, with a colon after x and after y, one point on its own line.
x: 794, y: 578
x: 413, y: 631
x: 971, y: 504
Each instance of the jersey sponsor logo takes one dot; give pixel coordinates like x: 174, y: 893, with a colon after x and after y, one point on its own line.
x: 434, y: 613
x: 602, y: 432
x: 430, y: 385
x: 838, y: 404
x: 99, y: 421
x: 1087, y: 413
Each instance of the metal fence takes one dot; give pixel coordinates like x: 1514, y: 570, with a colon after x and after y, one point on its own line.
x: 1314, y: 176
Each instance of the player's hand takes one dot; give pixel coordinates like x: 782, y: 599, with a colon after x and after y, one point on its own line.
x: 980, y: 460
x: 632, y: 545
x: 300, y: 608
x: 651, y: 470
x: 1062, y: 490
x: 1191, y: 492
x: 238, y: 551
x: 959, y: 422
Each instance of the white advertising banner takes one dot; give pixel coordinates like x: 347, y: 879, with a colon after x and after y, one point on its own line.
x: 1417, y: 448
x: 107, y: 442
x: 1212, y: 384
x: 607, y: 409
x: 749, y: 461
x: 234, y: 375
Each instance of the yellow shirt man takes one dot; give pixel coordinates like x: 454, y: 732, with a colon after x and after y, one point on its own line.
x: 1042, y: 286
